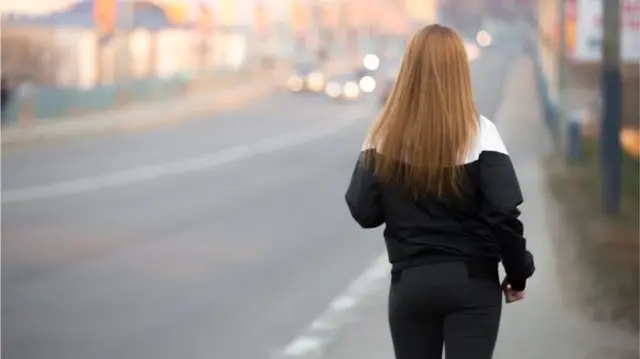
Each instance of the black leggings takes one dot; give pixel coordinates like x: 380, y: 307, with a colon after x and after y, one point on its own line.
x: 455, y: 305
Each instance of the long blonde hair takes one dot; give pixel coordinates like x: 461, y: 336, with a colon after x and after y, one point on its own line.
x: 430, y: 118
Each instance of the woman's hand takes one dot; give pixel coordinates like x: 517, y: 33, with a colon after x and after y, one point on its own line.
x: 511, y: 295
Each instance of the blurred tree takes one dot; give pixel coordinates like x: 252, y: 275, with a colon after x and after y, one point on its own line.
x: 27, y: 57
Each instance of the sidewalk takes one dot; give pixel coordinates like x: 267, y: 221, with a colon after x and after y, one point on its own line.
x: 142, y: 115
x: 547, y: 324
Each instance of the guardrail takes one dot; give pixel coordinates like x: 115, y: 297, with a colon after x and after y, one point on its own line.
x: 43, y: 103
x: 579, y: 124
x: 37, y: 104
x: 550, y: 107
x: 203, y: 92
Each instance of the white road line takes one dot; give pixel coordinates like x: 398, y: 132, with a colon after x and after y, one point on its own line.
x: 190, y: 165
x: 312, y: 342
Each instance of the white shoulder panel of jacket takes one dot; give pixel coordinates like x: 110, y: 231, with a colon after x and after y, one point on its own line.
x: 488, y: 139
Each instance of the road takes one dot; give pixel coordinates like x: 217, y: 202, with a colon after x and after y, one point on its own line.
x: 222, y: 237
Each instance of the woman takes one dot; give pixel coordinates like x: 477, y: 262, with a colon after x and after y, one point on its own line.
x: 437, y: 174
x: 5, y: 97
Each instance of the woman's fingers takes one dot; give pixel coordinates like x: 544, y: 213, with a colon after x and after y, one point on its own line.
x: 511, y: 295
x: 518, y: 295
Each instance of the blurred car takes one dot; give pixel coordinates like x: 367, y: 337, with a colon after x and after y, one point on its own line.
x: 385, y: 90
x: 393, y: 47
x: 484, y: 39
x: 365, y: 79
x: 388, y: 80
x: 371, y: 62
x: 475, y: 42
x: 472, y: 48
x: 391, y: 68
x: 343, y: 87
x: 306, y: 77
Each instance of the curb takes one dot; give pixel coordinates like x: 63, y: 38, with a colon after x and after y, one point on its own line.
x: 138, y: 116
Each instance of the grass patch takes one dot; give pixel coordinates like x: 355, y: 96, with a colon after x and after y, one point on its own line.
x: 588, y: 165
x: 607, y: 247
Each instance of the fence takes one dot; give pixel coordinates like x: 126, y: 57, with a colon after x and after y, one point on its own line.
x: 581, y: 97
x: 67, y: 71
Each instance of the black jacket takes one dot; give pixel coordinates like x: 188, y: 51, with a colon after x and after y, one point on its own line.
x: 484, y: 224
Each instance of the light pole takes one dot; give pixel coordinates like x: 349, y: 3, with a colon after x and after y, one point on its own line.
x: 339, y: 32
x: 611, y: 85
x: 127, y: 27
x: 560, y: 125
x: 352, y: 26
x: 312, y: 34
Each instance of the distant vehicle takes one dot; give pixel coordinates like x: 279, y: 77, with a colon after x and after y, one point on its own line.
x: 484, y: 39
x: 366, y: 79
x: 6, y: 95
x: 385, y: 90
x: 391, y: 68
x: 472, y: 48
x: 387, y: 80
x: 306, y: 77
x: 470, y: 26
x: 371, y: 62
x: 393, y: 48
x: 343, y: 87
x: 362, y: 72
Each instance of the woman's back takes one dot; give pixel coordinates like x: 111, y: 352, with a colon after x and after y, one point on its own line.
x: 439, y: 228
x: 439, y: 177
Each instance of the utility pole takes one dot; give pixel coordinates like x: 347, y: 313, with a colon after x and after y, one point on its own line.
x: 316, y: 28
x: 127, y: 26
x: 341, y: 34
x: 611, y: 85
x: 124, y: 68
x: 105, y: 17
x: 560, y: 125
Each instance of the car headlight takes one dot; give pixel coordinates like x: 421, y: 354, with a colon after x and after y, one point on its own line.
x: 367, y: 84
x: 483, y: 38
x: 316, y: 81
x: 295, y: 83
x: 473, y: 52
x: 333, y: 90
x: 371, y: 62
x: 351, y: 90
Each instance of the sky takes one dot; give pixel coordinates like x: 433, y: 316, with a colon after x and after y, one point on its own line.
x: 278, y: 8
x: 33, y: 6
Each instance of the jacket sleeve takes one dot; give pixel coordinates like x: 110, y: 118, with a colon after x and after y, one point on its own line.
x: 501, y: 197
x: 363, y: 196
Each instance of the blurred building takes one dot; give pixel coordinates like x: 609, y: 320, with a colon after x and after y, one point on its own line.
x: 151, y: 39
x: 466, y: 16
x: 33, y: 7
x: 421, y: 11
x: 583, y: 32
x: 580, y: 89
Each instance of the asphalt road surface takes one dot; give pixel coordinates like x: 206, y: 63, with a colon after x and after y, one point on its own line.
x: 219, y: 238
